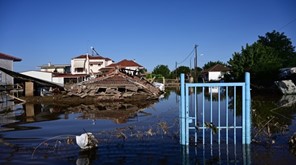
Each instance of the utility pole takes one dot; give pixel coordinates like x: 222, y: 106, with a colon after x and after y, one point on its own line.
x: 195, y: 63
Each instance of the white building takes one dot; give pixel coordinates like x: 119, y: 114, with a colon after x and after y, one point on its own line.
x: 46, y: 76
x: 56, y: 68
x: 89, y: 64
x: 6, y: 62
x: 215, y: 73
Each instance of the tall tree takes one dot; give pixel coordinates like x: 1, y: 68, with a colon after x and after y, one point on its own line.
x: 181, y: 69
x: 282, y: 45
x: 263, y: 58
x: 262, y: 61
x: 162, y: 70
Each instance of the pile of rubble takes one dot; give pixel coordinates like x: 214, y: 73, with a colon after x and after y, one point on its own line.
x: 115, y: 86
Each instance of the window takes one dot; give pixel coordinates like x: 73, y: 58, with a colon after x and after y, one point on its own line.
x: 79, y: 69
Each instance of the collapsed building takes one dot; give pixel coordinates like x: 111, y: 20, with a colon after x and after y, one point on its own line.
x: 116, y: 85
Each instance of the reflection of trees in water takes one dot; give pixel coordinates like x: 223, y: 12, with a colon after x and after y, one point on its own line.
x: 270, y: 118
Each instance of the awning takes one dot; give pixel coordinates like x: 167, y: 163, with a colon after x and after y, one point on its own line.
x: 79, y: 64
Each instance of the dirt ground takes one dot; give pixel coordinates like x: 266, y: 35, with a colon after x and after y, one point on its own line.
x: 75, y: 100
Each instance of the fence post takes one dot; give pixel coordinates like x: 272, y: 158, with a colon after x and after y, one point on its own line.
x: 182, y: 111
x: 248, y: 116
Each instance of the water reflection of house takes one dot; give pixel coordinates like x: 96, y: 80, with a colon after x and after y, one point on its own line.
x: 215, y: 73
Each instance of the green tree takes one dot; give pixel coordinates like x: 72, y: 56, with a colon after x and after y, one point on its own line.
x: 179, y: 70
x: 162, y: 70
x: 282, y: 45
x: 263, y: 59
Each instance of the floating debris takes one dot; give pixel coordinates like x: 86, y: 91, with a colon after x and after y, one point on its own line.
x: 121, y: 135
x: 164, y: 127
x: 212, y: 127
x: 87, y: 141
x: 292, y: 141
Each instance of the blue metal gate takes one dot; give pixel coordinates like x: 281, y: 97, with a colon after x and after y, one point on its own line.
x: 215, y: 117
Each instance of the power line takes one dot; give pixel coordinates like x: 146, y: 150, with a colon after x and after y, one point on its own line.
x: 186, y: 57
x: 287, y: 24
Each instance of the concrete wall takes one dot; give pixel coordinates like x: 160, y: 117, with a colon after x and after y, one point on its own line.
x: 214, y: 76
x: 40, y: 75
x: 29, y: 89
x: 58, y: 80
x: 4, y: 78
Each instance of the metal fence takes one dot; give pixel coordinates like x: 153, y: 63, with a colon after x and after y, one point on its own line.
x: 215, y: 112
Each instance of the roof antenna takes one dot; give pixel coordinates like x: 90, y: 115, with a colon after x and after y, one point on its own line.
x: 93, y: 50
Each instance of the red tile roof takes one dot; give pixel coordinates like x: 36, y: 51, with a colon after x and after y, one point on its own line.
x: 125, y: 63
x: 92, y: 57
x: 9, y: 57
x: 217, y: 68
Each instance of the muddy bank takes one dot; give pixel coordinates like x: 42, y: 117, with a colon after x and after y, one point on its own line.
x: 65, y: 100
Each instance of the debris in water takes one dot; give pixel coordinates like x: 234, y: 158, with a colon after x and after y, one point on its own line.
x: 86, y: 141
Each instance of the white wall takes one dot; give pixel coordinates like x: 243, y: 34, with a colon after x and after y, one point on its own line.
x: 214, y: 76
x: 39, y: 74
x: 59, y: 70
x: 87, y: 67
x: 58, y: 80
x: 95, y: 67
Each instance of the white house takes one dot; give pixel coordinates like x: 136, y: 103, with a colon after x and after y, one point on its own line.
x: 89, y: 64
x: 215, y: 73
x: 6, y: 62
x: 56, y: 68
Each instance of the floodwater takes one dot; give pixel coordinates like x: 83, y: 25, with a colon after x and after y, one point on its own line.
x: 129, y: 134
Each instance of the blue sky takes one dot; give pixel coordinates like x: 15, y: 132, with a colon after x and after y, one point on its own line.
x: 152, y: 32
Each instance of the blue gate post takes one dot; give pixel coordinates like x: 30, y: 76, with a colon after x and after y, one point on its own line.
x: 248, y: 121
x: 248, y: 109
x: 182, y: 111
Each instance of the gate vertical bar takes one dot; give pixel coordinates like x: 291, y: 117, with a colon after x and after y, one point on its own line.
x: 211, y: 113
x: 187, y: 115
x: 226, y: 109
x: 248, y: 108
x: 182, y: 110
x: 244, y: 114
x: 195, y: 114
